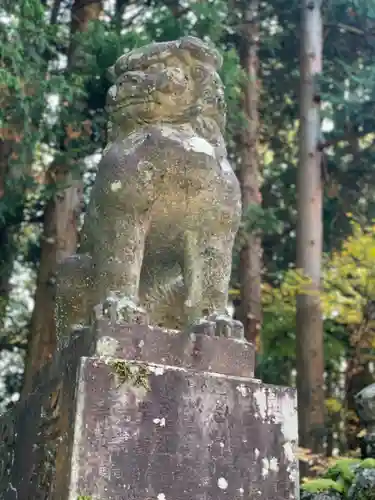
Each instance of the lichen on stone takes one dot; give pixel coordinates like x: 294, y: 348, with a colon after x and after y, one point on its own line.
x: 135, y: 374
x: 324, y: 495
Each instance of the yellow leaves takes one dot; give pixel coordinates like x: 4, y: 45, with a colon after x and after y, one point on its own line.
x: 351, y: 317
x: 362, y: 433
x: 333, y: 406
x: 284, y: 296
x: 234, y: 293
x: 349, y: 277
x: 348, y: 281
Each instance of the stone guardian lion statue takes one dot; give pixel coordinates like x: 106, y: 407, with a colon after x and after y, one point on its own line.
x: 157, y: 239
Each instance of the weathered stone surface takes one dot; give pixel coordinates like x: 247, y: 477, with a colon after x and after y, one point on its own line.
x: 165, y: 207
x: 156, y: 345
x: 187, y: 436
x: 365, y: 402
x: 122, y: 427
x: 31, y: 458
x: 324, y: 495
x: 34, y: 429
x: 7, y: 448
x: 363, y: 487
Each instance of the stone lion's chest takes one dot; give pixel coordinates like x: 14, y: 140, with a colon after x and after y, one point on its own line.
x: 191, y: 167
x: 197, y: 198
x: 180, y: 176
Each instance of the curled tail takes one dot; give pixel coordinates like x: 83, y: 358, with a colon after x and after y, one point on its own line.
x: 164, y: 304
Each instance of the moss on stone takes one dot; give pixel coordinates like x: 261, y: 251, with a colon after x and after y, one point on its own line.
x: 132, y: 373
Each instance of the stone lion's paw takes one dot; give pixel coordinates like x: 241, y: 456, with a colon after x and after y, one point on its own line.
x: 219, y: 325
x: 124, y: 309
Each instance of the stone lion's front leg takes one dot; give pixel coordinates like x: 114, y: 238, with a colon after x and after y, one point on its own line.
x: 219, y: 325
x: 207, y: 275
x: 118, y: 267
x: 124, y: 308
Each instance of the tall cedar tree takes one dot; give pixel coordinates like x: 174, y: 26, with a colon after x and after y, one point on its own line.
x: 251, y: 252
x: 60, y: 231
x: 15, y: 152
x: 6, y: 237
x: 310, y: 358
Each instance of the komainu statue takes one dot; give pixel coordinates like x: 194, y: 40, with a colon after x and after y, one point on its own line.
x: 157, y: 239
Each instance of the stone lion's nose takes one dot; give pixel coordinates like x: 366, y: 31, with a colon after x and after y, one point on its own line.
x: 172, y: 80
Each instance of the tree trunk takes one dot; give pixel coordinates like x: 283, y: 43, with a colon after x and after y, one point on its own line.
x: 310, y: 355
x: 60, y: 231
x: 10, y: 225
x: 251, y: 252
x: 6, y: 237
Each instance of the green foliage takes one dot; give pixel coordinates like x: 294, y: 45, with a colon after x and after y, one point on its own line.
x: 260, y: 220
x: 322, y: 484
x: 349, y: 278
x: 344, y: 470
x: 347, y: 297
x: 25, y: 82
x: 353, y: 478
x: 367, y: 463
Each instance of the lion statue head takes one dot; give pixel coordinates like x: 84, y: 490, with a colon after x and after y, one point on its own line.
x: 173, y: 82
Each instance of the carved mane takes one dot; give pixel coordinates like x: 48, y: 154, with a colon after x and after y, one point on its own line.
x: 172, y: 82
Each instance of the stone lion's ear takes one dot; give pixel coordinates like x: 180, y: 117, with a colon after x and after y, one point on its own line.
x: 201, y: 51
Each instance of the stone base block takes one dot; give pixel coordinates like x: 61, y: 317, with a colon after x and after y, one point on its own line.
x: 145, y: 431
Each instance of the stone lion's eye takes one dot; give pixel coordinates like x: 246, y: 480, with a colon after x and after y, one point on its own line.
x: 200, y: 73
x: 153, y: 68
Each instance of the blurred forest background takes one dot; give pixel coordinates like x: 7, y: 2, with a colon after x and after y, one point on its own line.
x: 54, y: 57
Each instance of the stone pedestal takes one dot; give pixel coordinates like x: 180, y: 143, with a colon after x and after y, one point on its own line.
x: 161, y: 415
